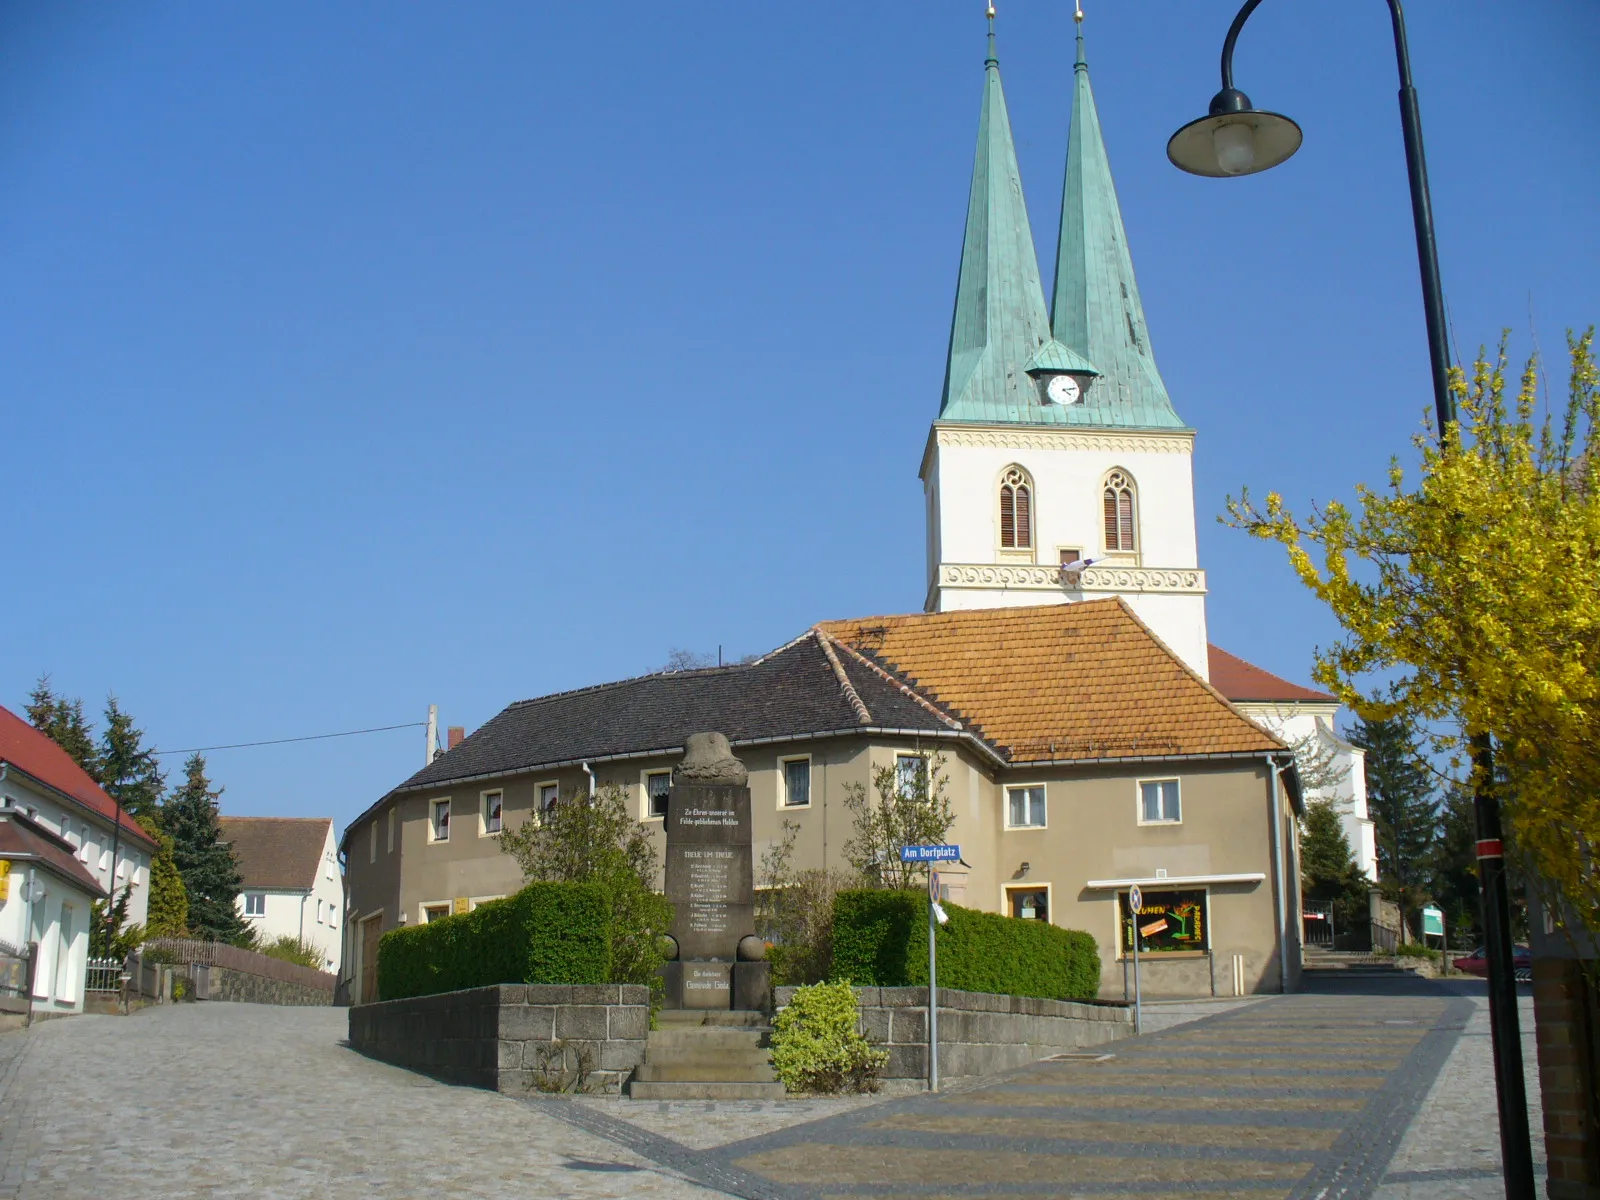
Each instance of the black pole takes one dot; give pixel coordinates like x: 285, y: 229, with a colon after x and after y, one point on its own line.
x: 1516, y: 1152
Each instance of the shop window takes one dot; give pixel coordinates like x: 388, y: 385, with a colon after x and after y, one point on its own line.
x: 1167, y: 921
x: 1029, y: 904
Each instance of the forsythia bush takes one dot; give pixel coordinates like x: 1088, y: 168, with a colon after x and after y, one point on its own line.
x: 816, y: 1046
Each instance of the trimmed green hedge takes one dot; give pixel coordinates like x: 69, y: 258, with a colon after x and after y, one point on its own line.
x: 546, y: 933
x: 880, y: 939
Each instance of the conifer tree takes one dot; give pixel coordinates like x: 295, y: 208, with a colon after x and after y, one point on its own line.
x: 168, y: 914
x: 129, y: 771
x: 1453, y: 867
x: 63, y: 722
x: 1328, y: 872
x: 207, y: 864
x: 1405, y: 816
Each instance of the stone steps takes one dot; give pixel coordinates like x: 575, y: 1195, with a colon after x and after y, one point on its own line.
x: 699, y: 1055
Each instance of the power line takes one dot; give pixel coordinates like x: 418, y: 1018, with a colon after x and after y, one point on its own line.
x: 315, y: 737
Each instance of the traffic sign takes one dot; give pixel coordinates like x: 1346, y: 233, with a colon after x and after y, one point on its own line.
x: 1135, y: 901
x: 933, y: 886
x: 912, y: 854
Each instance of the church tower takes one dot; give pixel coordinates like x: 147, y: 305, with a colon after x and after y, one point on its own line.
x: 1056, y: 440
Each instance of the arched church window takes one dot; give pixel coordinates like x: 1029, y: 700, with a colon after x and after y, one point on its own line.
x: 1016, y: 510
x: 1119, y: 512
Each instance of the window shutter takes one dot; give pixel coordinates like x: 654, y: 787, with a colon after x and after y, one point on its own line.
x: 1008, y: 517
x: 1125, y: 506
x: 1024, y: 516
x: 1112, y: 542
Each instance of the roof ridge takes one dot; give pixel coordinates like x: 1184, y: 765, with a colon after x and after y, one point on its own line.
x: 862, y: 713
x: 615, y: 683
x: 910, y: 691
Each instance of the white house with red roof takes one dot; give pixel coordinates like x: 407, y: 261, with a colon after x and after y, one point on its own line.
x: 46, y: 898
x: 1305, y: 718
x: 40, y: 780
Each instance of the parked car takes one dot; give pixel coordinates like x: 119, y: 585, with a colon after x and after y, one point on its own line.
x: 1477, y: 963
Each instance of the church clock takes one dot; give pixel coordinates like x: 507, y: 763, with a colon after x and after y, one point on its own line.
x: 1064, y: 389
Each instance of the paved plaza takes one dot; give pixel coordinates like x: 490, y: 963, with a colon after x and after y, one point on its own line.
x: 1378, y: 1089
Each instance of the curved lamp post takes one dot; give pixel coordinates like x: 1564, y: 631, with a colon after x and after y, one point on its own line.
x: 1234, y: 138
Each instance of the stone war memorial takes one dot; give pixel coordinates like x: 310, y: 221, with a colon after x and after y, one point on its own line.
x: 720, y: 962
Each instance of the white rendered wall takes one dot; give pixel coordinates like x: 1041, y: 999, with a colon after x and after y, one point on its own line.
x: 58, y: 981
x: 91, y: 836
x: 1069, y: 471
x: 1293, y: 722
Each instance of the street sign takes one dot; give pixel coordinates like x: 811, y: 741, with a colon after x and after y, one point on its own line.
x: 913, y: 854
x: 1432, y: 921
x: 1135, y: 901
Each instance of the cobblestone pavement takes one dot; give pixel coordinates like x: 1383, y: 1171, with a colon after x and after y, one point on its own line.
x: 1451, y: 1150
x: 1383, y: 1090
x: 248, y: 1101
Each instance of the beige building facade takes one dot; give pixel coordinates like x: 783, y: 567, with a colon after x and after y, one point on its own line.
x: 1201, y: 816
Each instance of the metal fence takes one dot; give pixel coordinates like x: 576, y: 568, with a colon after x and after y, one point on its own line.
x: 1317, y: 920
x: 104, y: 975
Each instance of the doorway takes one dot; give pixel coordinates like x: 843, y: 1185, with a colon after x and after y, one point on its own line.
x: 371, y: 931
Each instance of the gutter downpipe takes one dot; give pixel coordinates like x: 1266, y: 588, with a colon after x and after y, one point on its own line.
x: 590, y: 774
x: 1277, y: 874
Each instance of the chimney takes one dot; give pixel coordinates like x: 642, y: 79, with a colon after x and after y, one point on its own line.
x: 455, y: 735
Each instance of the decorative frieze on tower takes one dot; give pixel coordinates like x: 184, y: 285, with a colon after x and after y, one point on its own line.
x: 1056, y: 441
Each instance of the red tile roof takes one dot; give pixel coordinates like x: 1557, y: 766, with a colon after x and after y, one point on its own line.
x: 1058, y: 681
x: 1243, y: 682
x: 28, y: 841
x: 31, y: 752
x: 277, y: 852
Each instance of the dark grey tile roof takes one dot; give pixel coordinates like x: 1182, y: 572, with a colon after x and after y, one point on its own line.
x: 792, y: 692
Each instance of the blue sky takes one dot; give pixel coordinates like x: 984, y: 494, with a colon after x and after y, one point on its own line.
x: 356, y: 357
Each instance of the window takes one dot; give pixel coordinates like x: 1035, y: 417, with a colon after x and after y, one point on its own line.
x: 796, y: 782
x: 911, y: 776
x: 1168, y: 921
x: 1119, y: 513
x: 389, y: 844
x: 1070, y: 554
x: 1025, y: 807
x: 1016, y: 510
x: 433, y: 912
x: 493, y: 803
x: 439, y: 820
x: 657, y: 787
x: 319, y: 912
x: 255, y: 904
x: 1029, y: 903
x: 327, y: 865
x: 1158, y: 802
x: 372, y: 842
x: 333, y: 913
x: 548, y: 794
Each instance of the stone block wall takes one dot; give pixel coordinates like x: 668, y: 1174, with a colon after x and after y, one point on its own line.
x: 1567, y: 1012
x: 249, y: 988
x: 513, y: 1038
x: 979, y: 1033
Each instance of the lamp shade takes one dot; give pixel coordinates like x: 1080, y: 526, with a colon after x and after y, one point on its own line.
x: 1234, y: 143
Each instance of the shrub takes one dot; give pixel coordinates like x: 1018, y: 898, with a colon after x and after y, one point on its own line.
x: 546, y: 933
x: 1413, y: 950
x: 291, y: 949
x: 817, y: 1047
x: 881, y: 939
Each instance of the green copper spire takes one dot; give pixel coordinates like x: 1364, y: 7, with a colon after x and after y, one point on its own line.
x: 1000, y: 330
x: 1097, y: 310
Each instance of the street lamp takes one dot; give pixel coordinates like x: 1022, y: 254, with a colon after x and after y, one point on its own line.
x: 1237, y: 139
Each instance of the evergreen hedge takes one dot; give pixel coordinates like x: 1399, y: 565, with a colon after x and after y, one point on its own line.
x: 880, y: 939
x: 546, y: 933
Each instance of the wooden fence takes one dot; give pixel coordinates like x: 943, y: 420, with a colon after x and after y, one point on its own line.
x: 216, y: 954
